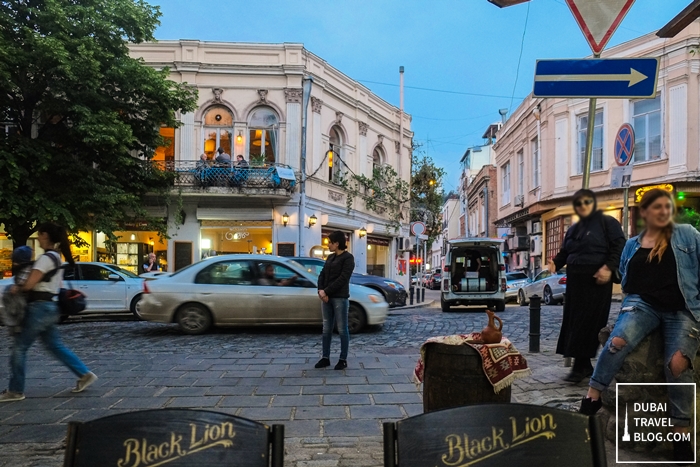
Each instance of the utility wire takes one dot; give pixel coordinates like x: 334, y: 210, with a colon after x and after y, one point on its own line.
x: 520, y: 58
x: 437, y: 90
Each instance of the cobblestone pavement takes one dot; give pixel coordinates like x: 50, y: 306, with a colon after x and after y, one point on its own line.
x: 332, y: 418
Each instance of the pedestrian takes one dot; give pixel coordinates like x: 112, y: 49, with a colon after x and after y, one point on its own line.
x: 661, y: 277
x: 151, y: 264
x: 334, y: 292
x: 591, y: 252
x: 42, y: 314
x: 15, y: 304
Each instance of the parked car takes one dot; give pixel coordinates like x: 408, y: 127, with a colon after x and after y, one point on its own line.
x: 475, y: 274
x: 107, y: 287
x: 426, y: 280
x: 232, y: 290
x: 435, y: 280
x: 154, y: 275
x: 514, y: 282
x: 414, y: 281
x: 551, y: 287
x: 393, y: 292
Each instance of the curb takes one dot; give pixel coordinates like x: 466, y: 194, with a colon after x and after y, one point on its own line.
x: 408, y: 307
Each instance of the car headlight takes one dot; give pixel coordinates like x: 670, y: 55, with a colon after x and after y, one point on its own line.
x: 375, y: 298
x: 390, y: 284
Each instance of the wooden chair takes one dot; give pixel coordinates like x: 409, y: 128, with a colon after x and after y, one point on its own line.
x: 495, y: 435
x: 176, y: 438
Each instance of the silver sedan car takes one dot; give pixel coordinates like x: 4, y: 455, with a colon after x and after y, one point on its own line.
x: 248, y: 290
x: 551, y: 287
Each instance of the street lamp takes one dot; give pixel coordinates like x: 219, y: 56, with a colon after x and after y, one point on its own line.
x: 312, y: 220
x: 363, y: 232
x: 506, y: 3
x: 285, y: 219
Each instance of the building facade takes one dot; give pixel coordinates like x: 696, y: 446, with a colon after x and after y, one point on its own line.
x: 482, y: 203
x: 540, y: 150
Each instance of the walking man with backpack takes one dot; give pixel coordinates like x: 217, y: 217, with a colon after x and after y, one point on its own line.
x: 42, y: 314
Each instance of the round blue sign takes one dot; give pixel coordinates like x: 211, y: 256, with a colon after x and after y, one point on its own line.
x: 624, y: 145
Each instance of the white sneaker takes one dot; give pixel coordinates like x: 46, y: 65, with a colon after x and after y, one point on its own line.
x: 84, y: 381
x: 9, y: 396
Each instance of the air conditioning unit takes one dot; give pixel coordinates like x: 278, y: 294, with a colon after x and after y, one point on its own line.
x: 404, y: 243
x: 536, y: 227
x: 520, y: 243
x: 519, y: 200
x: 522, y: 259
x: 536, y: 245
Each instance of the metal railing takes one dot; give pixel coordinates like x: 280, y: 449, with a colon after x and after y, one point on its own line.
x: 199, y: 174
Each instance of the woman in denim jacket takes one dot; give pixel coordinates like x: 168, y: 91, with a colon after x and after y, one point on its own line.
x: 661, y: 275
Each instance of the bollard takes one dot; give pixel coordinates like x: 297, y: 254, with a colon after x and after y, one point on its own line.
x: 410, y: 295
x: 535, y: 308
x: 422, y: 298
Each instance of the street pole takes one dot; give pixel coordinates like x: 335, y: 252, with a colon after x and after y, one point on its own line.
x: 425, y: 259
x: 419, y: 277
x: 625, y: 212
x: 589, y: 139
x: 306, y: 96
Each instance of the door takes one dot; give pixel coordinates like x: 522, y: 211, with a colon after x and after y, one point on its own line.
x: 103, y: 294
x: 285, y: 296
x: 226, y: 288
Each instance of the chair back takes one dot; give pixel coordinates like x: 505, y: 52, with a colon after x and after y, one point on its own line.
x: 495, y: 435
x: 173, y: 437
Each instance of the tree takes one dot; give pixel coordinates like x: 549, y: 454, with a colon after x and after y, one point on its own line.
x: 83, y: 117
x: 426, y: 193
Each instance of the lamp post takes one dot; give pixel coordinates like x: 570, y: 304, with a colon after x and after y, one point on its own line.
x: 306, y: 97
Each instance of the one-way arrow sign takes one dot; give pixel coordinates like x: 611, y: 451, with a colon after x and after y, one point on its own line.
x: 613, y: 77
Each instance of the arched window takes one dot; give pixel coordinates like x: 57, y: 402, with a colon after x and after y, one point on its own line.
x: 218, y: 127
x: 263, y: 128
x: 335, y: 155
x: 377, y: 158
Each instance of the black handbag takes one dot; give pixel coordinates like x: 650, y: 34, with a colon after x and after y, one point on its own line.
x: 70, y: 301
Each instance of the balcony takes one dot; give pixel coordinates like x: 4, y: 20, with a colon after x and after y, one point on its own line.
x: 268, y: 180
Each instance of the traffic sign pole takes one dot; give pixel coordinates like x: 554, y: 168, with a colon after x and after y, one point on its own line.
x: 625, y: 211
x: 589, y: 142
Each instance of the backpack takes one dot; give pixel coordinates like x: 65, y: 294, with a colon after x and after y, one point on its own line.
x: 70, y: 301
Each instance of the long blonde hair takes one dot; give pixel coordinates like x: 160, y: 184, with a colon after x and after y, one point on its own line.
x: 664, y: 238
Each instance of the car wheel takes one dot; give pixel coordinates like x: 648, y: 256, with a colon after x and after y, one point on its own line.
x: 522, y: 301
x: 134, y: 307
x: 193, y: 319
x: 500, y: 306
x: 356, y: 319
x: 547, y: 296
x: 445, y: 306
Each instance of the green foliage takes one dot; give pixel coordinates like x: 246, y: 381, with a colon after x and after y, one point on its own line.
x: 384, y: 193
x: 688, y: 216
x: 427, y: 193
x: 84, y: 115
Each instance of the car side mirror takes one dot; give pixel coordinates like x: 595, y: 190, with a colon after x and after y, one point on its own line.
x: 114, y: 277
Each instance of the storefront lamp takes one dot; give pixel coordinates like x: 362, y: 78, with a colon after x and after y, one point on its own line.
x: 206, y: 244
x: 133, y: 237
x: 285, y: 219
x: 312, y: 220
x: 239, y: 138
x: 681, y: 196
x: 363, y: 232
x: 506, y: 3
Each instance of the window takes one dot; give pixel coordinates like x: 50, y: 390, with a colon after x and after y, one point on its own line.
x: 377, y: 158
x: 263, y: 127
x: 554, y: 237
x: 597, y: 153
x: 505, y: 177
x: 535, y: 163
x: 167, y: 151
x: 226, y: 273
x: 482, y: 224
x: 277, y: 274
x: 94, y: 273
x: 335, y: 156
x: 218, y: 123
x: 521, y: 173
x: 646, y: 120
x: 543, y: 275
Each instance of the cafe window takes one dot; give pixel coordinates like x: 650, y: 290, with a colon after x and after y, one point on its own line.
x: 646, y: 119
x: 218, y: 127
x: 263, y: 127
x: 336, y: 163
x: 166, y: 152
x: 597, y: 153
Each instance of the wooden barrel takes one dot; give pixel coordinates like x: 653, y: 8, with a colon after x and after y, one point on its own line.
x: 454, y: 377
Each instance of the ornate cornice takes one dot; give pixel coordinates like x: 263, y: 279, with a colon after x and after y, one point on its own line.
x: 262, y: 93
x: 316, y: 104
x: 293, y: 95
x: 339, y: 117
x: 363, y: 128
x: 397, y: 145
x: 217, y: 94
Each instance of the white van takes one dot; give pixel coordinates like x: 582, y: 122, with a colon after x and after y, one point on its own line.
x: 474, y: 274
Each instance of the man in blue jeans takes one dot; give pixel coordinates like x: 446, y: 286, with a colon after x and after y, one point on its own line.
x: 334, y: 292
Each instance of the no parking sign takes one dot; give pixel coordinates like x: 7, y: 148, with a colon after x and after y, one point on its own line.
x: 624, y: 145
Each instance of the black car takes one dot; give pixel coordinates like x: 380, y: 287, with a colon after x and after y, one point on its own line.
x: 394, y: 293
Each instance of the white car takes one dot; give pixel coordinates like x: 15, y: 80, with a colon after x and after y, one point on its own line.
x: 233, y: 290
x: 107, y: 287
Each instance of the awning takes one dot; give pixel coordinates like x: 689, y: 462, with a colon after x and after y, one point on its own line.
x: 239, y: 214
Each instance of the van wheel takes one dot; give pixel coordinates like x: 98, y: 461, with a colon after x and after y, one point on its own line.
x: 500, y: 306
x: 356, y: 319
x: 522, y: 301
x: 193, y: 319
x: 446, y: 308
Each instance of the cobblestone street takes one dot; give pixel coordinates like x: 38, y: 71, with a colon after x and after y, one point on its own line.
x: 332, y: 418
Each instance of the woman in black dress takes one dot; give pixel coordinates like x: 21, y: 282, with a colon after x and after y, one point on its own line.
x: 591, y: 252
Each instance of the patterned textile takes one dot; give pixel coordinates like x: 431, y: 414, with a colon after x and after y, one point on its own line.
x: 502, y: 362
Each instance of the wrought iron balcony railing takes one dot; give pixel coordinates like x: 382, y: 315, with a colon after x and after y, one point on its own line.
x: 201, y: 175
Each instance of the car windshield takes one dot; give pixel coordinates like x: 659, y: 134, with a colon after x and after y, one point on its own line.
x: 516, y: 276
x: 123, y: 271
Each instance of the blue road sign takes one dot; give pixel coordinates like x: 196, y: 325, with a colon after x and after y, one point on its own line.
x: 624, y: 145
x: 608, y: 77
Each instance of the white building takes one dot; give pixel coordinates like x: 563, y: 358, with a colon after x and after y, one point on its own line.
x: 250, y: 104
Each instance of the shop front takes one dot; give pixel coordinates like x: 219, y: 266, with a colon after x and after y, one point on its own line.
x: 225, y: 237
x: 378, y: 256
x: 322, y: 251
x: 131, y: 249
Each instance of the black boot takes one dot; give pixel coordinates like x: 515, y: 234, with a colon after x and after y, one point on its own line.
x: 582, y: 369
x: 590, y: 406
x: 323, y: 363
x: 682, y: 451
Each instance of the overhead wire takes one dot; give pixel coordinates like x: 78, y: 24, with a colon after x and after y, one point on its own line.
x: 520, y: 58
x: 445, y: 91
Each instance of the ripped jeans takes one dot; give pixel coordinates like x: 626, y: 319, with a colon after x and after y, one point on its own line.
x: 681, y: 333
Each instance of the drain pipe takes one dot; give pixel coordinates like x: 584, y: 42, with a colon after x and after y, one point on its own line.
x: 306, y: 96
